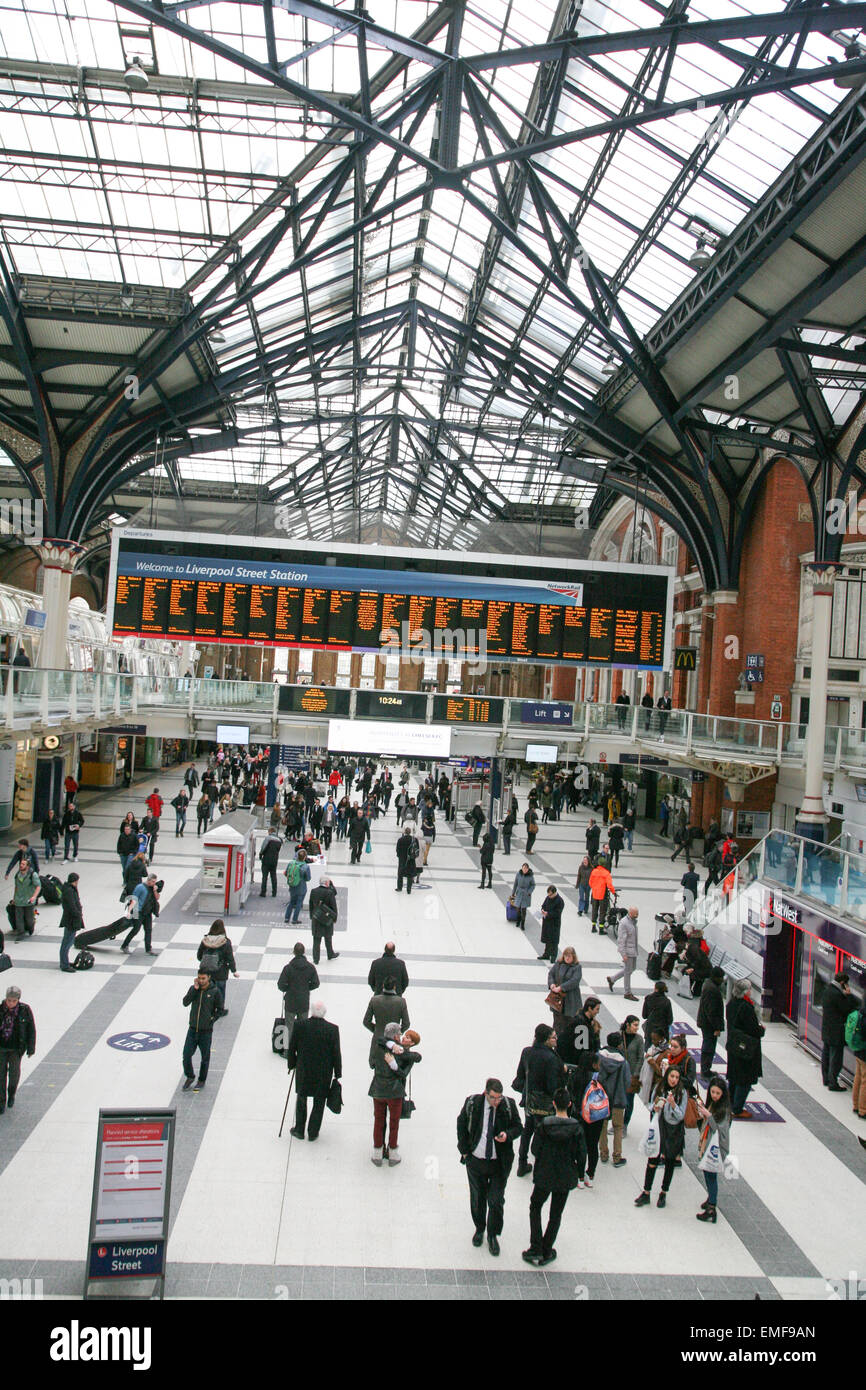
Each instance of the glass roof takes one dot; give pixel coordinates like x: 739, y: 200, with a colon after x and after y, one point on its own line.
x: 402, y: 316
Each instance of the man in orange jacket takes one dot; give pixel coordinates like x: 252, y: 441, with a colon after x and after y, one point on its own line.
x: 154, y: 803
x: 600, y: 885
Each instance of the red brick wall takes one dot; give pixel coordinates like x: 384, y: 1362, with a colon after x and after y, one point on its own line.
x: 770, y: 584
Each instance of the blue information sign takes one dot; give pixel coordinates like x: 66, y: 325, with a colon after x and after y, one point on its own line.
x: 138, y: 1042
x: 537, y: 712
x: 127, y: 1259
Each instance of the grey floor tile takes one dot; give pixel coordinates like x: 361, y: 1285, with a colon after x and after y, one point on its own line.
x: 378, y: 1276
x: 471, y: 1276
x: 504, y: 1293
x: 413, y: 1276
x: 441, y: 1276
x: 380, y: 1291
x: 224, y: 1281
x: 444, y: 1293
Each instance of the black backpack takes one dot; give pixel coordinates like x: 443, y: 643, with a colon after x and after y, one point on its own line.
x: 83, y: 961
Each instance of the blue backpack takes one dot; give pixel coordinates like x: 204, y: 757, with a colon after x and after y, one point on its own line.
x: 595, y: 1105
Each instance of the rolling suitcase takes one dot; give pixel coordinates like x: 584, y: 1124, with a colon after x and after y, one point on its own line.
x: 100, y: 934
x: 280, y: 1038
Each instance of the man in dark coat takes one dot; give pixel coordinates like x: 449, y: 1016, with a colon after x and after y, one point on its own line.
x: 744, y: 1061
x: 593, y: 837
x: 268, y: 857
x: 297, y: 981
x: 387, y: 1007
x: 557, y: 1148
x: 204, y: 1003
x: 388, y: 965
x: 314, y: 1056
x: 71, y: 918
x: 551, y: 922
x: 323, y: 919
x: 711, y: 1019
x: 407, y: 856
x: 539, y: 1073
x: 487, y: 1127
x: 837, y: 1004
x: 359, y: 831
x: 17, y: 1036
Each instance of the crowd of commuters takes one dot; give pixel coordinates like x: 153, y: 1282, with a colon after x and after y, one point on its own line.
x: 575, y: 1086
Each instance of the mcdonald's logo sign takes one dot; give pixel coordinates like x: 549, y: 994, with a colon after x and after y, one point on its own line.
x: 685, y: 658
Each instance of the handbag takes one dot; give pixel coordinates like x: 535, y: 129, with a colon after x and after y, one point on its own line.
x: 742, y: 1045
x: 368, y: 848
x: 334, y: 1101
x: 5, y: 962
x: 691, y: 1119
x: 324, y: 916
x: 408, y: 1103
x: 555, y: 1002
x: 709, y: 1152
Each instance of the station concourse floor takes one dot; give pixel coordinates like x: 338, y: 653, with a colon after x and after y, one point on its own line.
x: 254, y: 1216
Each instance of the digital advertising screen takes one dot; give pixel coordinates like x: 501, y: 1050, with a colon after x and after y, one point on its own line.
x: 445, y: 604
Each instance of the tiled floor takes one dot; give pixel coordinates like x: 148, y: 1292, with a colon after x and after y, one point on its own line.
x: 254, y: 1216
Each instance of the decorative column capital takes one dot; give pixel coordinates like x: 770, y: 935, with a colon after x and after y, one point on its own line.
x: 820, y: 575
x: 59, y: 555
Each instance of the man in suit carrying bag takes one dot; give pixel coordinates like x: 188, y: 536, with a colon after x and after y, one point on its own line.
x: 487, y: 1127
x: 314, y: 1056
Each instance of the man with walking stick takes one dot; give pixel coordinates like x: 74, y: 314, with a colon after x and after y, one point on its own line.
x: 314, y: 1057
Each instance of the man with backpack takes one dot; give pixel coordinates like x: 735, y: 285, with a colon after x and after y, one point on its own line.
x: 855, y: 1037
x: 145, y: 899
x: 838, y: 1002
x: 476, y: 817
x: 23, y: 854
x: 323, y: 919
x: 614, y: 1075
x: 297, y: 878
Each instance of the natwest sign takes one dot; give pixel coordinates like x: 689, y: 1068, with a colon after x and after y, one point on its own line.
x: 787, y: 911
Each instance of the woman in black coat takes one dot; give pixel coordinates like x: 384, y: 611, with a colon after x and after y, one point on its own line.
x: 744, y: 1048
x: 71, y: 918
x: 551, y: 923
x: 487, y: 861
x: 657, y: 1013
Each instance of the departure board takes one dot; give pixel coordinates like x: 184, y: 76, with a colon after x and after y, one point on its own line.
x: 313, y: 699
x: 441, y: 605
x: 467, y: 709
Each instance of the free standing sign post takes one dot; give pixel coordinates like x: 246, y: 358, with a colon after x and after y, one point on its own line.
x: 131, y: 1195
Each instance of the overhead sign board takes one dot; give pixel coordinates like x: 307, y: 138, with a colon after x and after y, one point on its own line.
x: 313, y: 699
x: 467, y: 709
x: 393, y: 738
x: 541, y: 712
x: 208, y: 588
x: 391, y: 704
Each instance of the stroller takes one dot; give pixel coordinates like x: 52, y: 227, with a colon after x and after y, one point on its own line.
x: 614, y: 917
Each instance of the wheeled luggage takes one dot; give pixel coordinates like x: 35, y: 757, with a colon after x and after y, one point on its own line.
x: 510, y: 911
x: 280, y: 1037
x: 100, y: 934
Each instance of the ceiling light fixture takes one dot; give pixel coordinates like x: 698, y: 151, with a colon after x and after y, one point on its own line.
x: 217, y: 337
x: 127, y: 298
x: 608, y: 366
x: 135, y: 76
x: 851, y: 79
x: 701, y: 255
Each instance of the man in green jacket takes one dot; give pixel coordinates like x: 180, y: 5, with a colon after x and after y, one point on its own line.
x: 26, y: 889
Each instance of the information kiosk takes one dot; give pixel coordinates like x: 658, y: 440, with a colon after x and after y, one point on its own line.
x: 227, y: 864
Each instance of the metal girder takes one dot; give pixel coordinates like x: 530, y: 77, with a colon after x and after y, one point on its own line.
x: 820, y: 19
x: 794, y: 312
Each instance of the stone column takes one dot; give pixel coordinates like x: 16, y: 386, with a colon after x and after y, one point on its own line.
x: 812, y: 820
x: 58, y: 559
